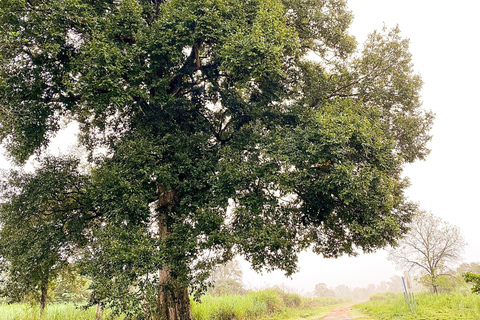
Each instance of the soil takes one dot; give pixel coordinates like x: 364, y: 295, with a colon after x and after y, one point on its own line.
x: 341, y: 313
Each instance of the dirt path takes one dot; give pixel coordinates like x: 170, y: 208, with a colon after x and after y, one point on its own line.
x: 341, y: 313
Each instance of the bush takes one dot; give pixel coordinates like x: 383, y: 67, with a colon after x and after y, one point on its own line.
x: 474, y: 279
x: 271, y: 298
x: 291, y: 300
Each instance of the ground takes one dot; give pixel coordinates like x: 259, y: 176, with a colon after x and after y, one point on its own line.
x: 341, y: 313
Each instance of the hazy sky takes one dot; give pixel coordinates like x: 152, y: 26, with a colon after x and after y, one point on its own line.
x: 444, y: 43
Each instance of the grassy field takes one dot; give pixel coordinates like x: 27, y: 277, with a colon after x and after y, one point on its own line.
x: 52, y: 312
x: 429, y: 307
x: 267, y: 304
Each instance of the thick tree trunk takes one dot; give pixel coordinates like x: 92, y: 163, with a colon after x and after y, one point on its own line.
x: 173, y: 300
x: 43, y: 297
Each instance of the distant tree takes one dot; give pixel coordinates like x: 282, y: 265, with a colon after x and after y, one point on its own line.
x: 359, y: 294
x: 474, y: 279
x: 460, y: 282
x: 343, y: 291
x: 230, y: 270
x: 382, y: 287
x: 371, y: 289
x: 430, y: 249
x: 473, y: 267
x: 321, y: 290
x: 395, y: 284
x: 227, y: 279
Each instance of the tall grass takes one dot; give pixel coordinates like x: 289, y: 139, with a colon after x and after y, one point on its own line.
x: 52, y: 312
x: 255, y: 305
x: 270, y: 303
x: 440, y: 307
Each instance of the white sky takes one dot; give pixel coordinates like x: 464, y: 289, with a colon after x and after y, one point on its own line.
x: 445, y: 46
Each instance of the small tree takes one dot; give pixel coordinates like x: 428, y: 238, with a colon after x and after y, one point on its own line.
x: 38, y: 228
x: 430, y: 248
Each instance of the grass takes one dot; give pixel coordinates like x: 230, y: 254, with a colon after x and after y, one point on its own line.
x: 429, y: 307
x: 267, y: 304
x: 52, y: 312
x: 271, y: 304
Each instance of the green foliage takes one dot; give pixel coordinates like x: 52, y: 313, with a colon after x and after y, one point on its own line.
x: 474, y: 279
x: 439, y: 306
x: 40, y: 227
x: 186, y: 107
x: 70, y: 287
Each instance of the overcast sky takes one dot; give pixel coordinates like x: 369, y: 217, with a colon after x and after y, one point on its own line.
x: 444, y: 43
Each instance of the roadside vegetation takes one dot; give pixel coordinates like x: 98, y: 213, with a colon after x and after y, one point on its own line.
x: 443, y: 306
x: 272, y: 304
x: 269, y: 303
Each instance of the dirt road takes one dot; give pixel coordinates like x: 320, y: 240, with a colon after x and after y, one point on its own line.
x: 341, y: 313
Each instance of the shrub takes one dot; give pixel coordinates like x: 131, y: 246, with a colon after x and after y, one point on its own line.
x: 474, y: 279
x: 271, y: 299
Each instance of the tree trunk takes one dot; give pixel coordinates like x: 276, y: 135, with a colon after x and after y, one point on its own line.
x: 43, y: 297
x: 173, y: 301
x: 434, y: 284
x: 98, y: 312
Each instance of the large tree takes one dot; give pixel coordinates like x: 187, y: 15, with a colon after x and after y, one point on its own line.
x: 430, y: 249
x: 187, y: 108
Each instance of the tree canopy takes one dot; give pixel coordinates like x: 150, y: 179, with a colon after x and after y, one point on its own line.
x: 209, y: 133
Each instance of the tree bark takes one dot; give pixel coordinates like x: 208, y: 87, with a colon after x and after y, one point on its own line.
x: 173, y: 301
x: 43, y: 297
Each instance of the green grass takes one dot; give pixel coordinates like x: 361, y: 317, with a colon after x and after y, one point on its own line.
x: 52, y: 312
x: 267, y: 304
x: 429, y: 307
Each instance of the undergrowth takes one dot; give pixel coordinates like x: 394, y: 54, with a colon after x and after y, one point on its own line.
x: 257, y: 305
x: 269, y: 304
x: 388, y: 306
